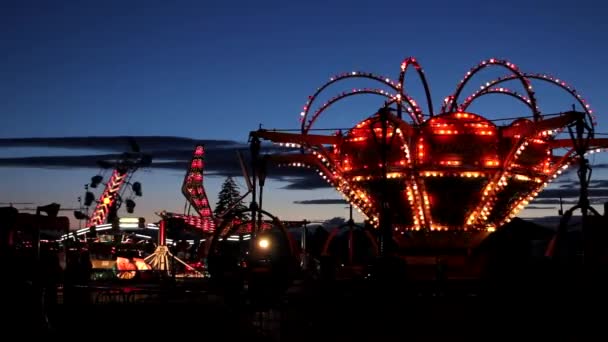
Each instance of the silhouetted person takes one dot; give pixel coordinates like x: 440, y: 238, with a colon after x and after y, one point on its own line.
x: 70, y: 279
x: 225, y: 273
x: 22, y: 296
x: 50, y: 279
x: 85, y: 269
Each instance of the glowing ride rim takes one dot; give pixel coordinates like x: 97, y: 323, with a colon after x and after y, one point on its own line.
x: 500, y: 173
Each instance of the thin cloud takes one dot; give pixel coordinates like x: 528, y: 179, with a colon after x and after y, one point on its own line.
x: 547, y: 201
x: 322, y: 201
x: 56, y: 162
x: 174, y: 153
x: 222, y: 161
x: 600, y: 183
x: 567, y: 184
x: 574, y: 192
x: 168, y: 153
x: 116, y: 143
x: 540, y: 207
x: 595, y: 183
x: 307, y: 183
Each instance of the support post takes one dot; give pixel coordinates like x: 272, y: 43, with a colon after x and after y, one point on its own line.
x: 255, y: 152
x: 581, y: 134
x: 385, y: 221
x: 162, y: 235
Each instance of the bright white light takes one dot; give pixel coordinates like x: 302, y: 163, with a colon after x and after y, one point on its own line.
x: 264, y: 243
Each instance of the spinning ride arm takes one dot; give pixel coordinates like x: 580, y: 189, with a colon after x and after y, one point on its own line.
x: 108, y: 198
x: 529, y: 129
x: 295, y: 159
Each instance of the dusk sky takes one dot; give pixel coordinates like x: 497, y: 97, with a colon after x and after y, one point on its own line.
x: 213, y: 71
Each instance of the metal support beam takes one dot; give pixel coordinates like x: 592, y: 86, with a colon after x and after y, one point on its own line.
x: 296, y: 138
x: 529, y: 128
x: 581, y: 135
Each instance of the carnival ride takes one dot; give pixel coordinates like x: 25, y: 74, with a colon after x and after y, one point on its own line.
x: 203, y: 223
x: 456, y: 174
x: 226, y: 227
x: 454, y: 171
x: 111, y: 199
x: 194, y: 192
x: 104, y: 219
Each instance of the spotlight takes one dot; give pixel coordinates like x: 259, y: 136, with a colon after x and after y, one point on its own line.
x: 264, y: 243
x: 136, y: 188
x: 96, y: 180
x: 130, y: 205
x: 89, y: 198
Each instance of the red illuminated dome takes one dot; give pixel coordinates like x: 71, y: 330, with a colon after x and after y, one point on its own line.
x: 358, y: 158
x: 455, y: 170
x: 457, y: 155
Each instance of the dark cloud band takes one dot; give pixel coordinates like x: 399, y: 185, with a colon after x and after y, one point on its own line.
x: 322, y: 201
x: 115, y: 143
x: 174, y: 153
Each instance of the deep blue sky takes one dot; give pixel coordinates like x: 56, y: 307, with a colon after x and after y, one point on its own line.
x: 216, y: 70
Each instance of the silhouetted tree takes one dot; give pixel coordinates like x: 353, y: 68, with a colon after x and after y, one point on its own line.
x: 230, y: 194
x: 334, y: 222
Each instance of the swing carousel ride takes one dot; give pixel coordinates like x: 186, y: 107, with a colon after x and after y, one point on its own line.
x: 454, y: 171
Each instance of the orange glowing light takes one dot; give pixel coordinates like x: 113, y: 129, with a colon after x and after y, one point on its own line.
x: 445, y: 171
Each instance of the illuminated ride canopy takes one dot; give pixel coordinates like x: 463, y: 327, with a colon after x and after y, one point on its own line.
x: 449, y: 171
